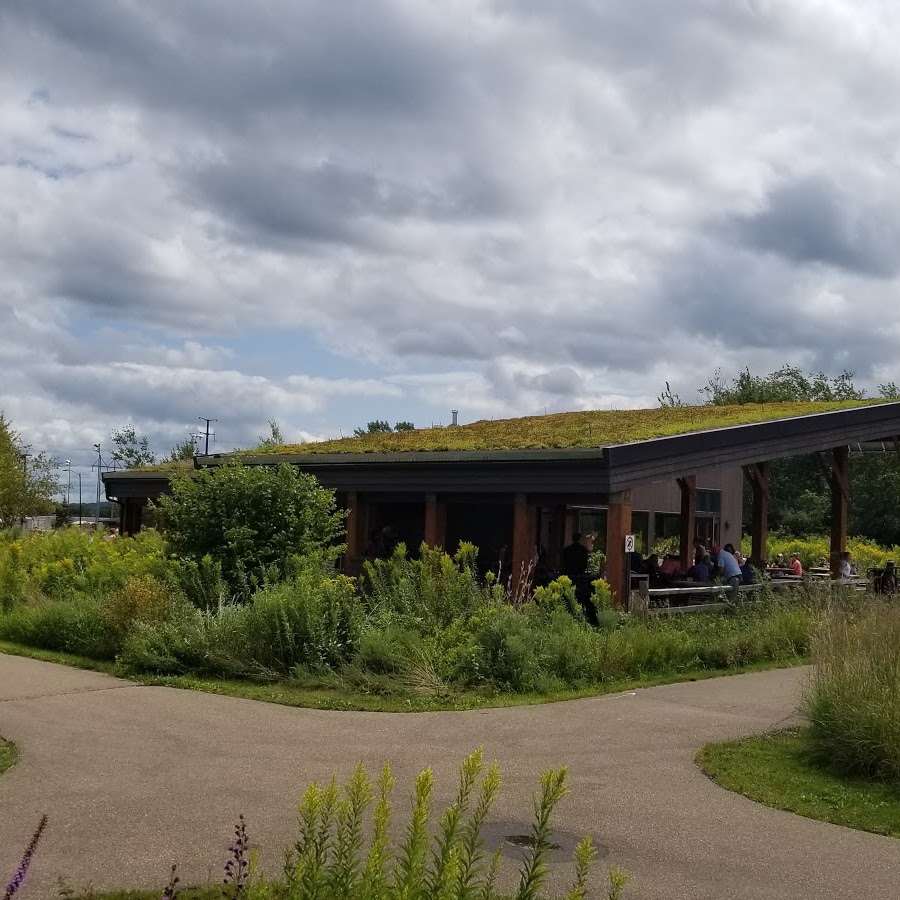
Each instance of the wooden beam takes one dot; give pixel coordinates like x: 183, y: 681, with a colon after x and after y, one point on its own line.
x: 758, y: 476
x: 688, y: 486
x: 356, y: 532
x: 524, y: 539
x: 618, y: 524
x: 840, y: 502
x: 435, y: 521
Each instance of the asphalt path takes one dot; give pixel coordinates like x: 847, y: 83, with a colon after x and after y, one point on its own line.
x: 134, y: 778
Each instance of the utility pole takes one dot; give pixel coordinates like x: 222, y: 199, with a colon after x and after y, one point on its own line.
x: 204, y: 419
x: 99, y: 465
x: 79, y: 498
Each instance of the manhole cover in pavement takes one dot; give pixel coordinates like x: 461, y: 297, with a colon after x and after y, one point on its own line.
x: 517, y: 843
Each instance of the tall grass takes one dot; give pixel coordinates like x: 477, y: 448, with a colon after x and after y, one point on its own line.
x: 853, y: 699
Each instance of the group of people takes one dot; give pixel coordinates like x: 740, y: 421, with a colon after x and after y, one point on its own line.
x: 726, y: 564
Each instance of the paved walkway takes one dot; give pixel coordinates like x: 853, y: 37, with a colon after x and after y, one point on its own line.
x: 135, y: 777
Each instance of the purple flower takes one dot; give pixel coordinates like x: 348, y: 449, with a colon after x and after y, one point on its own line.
x: 171, y: 891
x: 18, y: 878
x: 237, y: 867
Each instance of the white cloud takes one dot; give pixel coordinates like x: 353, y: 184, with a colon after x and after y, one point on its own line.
x: 499, y: 206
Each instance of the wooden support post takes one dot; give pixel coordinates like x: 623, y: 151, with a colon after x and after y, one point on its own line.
x: 618, y: 524
x: 435, y: 521
x: 524, y: 536
x: 840, y: 503
x: 688, y: 486
x: 356, y: 533
x: 132, y: 515
x: 560, y: 537
x: 758, y: 476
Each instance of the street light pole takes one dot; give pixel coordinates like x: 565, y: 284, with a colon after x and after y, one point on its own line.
x: 24, y: 457
x: 68, y: 484
x: 99, y: 464
x: 79, y: 499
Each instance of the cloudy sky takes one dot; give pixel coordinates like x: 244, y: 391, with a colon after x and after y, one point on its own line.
x: 328, y: 212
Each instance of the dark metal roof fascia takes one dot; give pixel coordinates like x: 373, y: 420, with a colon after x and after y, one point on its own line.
x: 586, y: 475
x: 753, y: 442
x: 590, y: 454
x: 125, y: 485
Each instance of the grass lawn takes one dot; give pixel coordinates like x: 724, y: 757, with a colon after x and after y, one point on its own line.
x: 774, y: 770
x: 8, y: 755
x: 387, y: 695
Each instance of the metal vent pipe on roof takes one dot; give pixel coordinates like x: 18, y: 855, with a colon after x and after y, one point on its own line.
x: 455, y: 413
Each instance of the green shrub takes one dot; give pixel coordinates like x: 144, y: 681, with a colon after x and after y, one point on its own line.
x: 853, y: 699
x: 201, y: 581
x: 143, y: 599
x: 69, y: 563
x: 312, y: 621
x: 78, y: 626
x: 250, y: 519
x: 558, y: 595
x: 427, y: 593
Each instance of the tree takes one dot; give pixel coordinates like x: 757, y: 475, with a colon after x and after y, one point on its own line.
x: 275, y: 437
x: 787, y: 384
x: 28, y: 481
x: 252, y: 520
x: 130, y: 450
x: 183, y: 450
x: 382, y: 426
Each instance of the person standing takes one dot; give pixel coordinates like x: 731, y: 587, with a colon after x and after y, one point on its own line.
x: 731, y: 571
x: 575, y: 558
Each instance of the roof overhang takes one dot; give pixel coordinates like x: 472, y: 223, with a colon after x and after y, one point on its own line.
x: 585, y: 472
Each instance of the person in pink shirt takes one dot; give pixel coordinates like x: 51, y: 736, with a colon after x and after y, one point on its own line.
x: 796, y: 565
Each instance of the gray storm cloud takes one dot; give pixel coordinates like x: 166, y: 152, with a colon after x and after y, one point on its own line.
x: 508, y: 204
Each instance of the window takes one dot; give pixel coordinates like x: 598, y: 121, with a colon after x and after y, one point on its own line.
x: 709, y: 502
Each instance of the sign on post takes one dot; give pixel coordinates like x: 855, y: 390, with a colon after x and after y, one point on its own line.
x: 629, y: 543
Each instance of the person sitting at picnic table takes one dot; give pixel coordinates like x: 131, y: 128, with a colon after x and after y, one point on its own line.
x: 887, y: 581
x: 731, y: 571
x: 699, y: 550
x: 796, y: 565
x: 655, y: 572
x: 701, y: 571
x: 748, y: 572
x: 670, y: 567
x: 846, y: 570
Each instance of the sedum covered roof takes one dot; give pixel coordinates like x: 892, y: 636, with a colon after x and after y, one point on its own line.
x: 593, y: 428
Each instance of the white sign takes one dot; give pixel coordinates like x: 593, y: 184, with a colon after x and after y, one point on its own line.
x: 629, y: 543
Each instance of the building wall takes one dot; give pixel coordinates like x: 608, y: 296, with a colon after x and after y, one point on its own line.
x: 664, y: 497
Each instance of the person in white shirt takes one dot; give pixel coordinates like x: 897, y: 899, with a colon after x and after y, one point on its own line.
x: 846, y: 569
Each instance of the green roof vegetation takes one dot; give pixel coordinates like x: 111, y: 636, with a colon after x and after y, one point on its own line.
x: 593, y: 428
